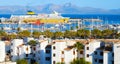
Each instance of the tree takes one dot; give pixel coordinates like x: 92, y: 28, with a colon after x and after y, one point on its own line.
x: 67, y: 34
x: 96, y: 33
x: 48, y: 34
x: 79, y: 45
x: 118, y: 35
x: 106, y: 33
x: 11, y: 36
x: 18, y: 29
x: 79, y: 61
x: 22, y: 61
x: 71, y: 28
x: 58, y: 34
x: 32, y: 42
x: 70, y: 34
x: 24, y: 33
x: 2, y: 34
x: 36, y: 34
x: 83, y: 33
x: 60, y: 63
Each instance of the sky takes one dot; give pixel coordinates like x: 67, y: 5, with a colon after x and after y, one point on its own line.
x: 105, y: 4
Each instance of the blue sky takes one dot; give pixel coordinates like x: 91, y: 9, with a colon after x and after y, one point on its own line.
x: 106, y: 4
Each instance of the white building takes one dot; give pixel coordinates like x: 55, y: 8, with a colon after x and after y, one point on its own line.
x: 99, y: 52
x: 61, y: 51
x: 2, y: 51
x: 116, y: 54
x: 19, y: 50
x: 42, y: 52
x: 54, y: 51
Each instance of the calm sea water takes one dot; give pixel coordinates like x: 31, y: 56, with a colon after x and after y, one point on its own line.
x: 110, y: 19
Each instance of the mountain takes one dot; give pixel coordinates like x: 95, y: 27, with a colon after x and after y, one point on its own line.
x: 67, y: 8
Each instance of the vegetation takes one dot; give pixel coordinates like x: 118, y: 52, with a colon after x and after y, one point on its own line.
x: 107, y: 33
x: 24, y: 33
x: 3, y: 34
x: 79, y: 61
x: 58, y: 34
x: 79, y: 45
x: 81, y: 33
x: 36, y: 34
x: 60, y: 63
x: 48, y: 34
x: 96, y: 33
x: 22, y: 61
x: 32, y: 42
x: 12, y: 36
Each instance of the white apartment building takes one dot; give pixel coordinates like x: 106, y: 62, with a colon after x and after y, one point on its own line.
x: 2, y: 51
x: 99, y: 52
x: 54, y: 51
x: 61, y: 51
x: 19, y: 50
x: 42, y: 51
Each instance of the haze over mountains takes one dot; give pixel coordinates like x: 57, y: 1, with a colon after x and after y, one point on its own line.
x: 67, y: 8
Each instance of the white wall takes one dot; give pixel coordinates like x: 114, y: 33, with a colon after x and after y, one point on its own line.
x: 2, y: 51
x: 14, y: 48
x: 93, y: 45
x: 116, y: 49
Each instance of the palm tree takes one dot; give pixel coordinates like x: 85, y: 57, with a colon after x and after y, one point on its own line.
x: 48, y: 34
x: 60, y: 63
x: 83, y: 33
x: 96, y: 33
x: 79, y: 61
x: 11, y: 36
x: 32, y: 42
x: 2, y: 34
x: 24, y: 33
x: 36, y: 34
x: 18, y: 29
x: 22, y: 61
x: 67, y: 34
x: 106, y: 33
x: 58, y: 34
x: 79, y: 46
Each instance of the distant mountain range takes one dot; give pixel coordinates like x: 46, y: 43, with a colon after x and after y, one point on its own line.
x: 67, y: 8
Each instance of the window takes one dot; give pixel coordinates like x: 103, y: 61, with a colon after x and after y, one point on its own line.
x: 100, y: 61
x: 47, y: 51
x: 47, y: 58
x: 54, y: 62
x: 87, y: 48
x: 54, y: 55
x: 112, y: 62
x: 27, y: 49
x: 11, y: 50
x: 101, y: 53
x: 34, y: 48
x: 54, y: 47
x: 81, y: 52
x: 95, y: 60
x: 11, y: 43
x: 95, y: 52
x: 33, y: 55
x: 113, y: 54
x: 62, y: 52
x: 87, y: 55
x: 73, y: 52
x: 26, y: 55
x: 62, y: 59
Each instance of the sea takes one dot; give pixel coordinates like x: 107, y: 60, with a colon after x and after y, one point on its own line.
x: 106, y: 19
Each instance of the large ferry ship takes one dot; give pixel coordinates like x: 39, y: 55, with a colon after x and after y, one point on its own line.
x: 31, y: 17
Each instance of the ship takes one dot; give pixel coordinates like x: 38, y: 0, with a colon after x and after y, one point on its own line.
x: 31, y: 17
